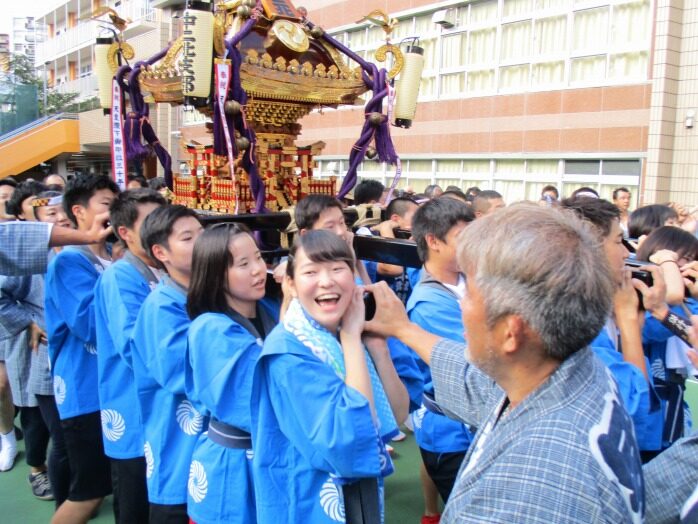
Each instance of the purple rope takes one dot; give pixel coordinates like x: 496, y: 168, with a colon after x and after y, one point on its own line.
x: 237, y: 93
x: 137, y: 125
x: 120, y: 73
x: 377, y: 82
x: 162, y: 154
x: 135, y: 150
x: 379, y: 134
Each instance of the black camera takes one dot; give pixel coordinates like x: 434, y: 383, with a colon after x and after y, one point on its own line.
x: 369, y: 306
x: 640, y: 274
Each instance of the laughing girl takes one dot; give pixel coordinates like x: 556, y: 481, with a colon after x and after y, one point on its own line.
x: 325, y: 405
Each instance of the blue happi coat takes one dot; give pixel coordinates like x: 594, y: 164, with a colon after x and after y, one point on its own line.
x: 435, y: 308
x: 309, y: 427
x: 668, y: 381
x: 119, y: 295
x: 219, y: 377
x: 70, y: 325
x: 638, y: 395
x: 172, y: 424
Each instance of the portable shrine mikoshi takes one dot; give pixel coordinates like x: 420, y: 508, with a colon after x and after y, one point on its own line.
x: 255, y: 68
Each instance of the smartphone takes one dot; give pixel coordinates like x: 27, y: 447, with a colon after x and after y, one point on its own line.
x: 640, y: 274
x: 404, y: 234
x: 369, y: 306
x: 643, y: 276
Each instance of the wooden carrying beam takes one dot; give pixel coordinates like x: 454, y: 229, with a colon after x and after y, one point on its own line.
x: 269, y: 225
x: 278, y: 221
x: 387, y: 250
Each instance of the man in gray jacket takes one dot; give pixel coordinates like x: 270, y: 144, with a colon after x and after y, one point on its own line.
x: 24, y: 245
x: 554, y: 442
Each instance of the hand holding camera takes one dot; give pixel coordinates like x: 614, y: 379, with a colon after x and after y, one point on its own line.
x: 101, y: 228
x: 649, y: 282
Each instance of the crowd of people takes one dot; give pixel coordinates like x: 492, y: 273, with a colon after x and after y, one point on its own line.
x: 539, y: 355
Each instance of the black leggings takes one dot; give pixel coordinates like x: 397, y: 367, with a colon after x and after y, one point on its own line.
x: 130, y: 491
x: 58, y: 466
x: 36, y: 436
x: 443, y: 469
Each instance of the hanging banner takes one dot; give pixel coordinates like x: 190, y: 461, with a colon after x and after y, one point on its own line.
x: 223, y: 72
x: 118, y: 147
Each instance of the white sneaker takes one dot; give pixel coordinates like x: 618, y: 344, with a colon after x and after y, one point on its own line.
x: 399, y: 437
x: 408, y: 424
x: 8, y: 454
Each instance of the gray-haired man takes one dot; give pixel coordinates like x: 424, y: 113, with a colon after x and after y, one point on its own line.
x: 554, y: 442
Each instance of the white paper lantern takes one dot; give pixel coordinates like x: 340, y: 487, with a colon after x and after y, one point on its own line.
x: 103, y: 71
x: 407, y: 88
x: 197, y: 52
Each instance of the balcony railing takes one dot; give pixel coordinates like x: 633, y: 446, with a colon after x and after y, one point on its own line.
x: 86, y: 86
x: 85, y: 33
x: 79, y: 36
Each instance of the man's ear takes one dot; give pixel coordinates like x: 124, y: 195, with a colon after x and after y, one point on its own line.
x: 160, y: 253
x: 302, y: 231
x: 433, y: 243
x: 513, y: 333
x: 78, y: 212
x: 124, y: 234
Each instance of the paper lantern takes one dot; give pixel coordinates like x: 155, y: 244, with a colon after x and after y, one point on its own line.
x: 197, y: 52
x: 103, y: 71
x: 408, y: 86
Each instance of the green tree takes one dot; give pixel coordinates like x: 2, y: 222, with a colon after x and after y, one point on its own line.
x: 22, y: 71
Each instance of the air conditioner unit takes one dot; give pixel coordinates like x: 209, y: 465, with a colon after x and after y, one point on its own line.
x: 445, y: 18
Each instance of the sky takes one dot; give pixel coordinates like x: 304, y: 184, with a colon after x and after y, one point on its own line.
x: 12, y: 9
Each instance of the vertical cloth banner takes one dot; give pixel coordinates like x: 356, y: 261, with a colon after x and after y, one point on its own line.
x: 118, y: 147
x: 223, y: 72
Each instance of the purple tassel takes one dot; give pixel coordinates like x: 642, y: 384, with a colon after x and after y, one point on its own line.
x: 137, y: 125
x: 237, y: 93
x: 219, y: 145
x: 162, y: 154
x: 376, y: 81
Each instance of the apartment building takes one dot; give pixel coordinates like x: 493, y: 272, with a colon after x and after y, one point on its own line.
x: 4, y: 52
x: 517, y: 94
x: 25, y: 36
x: 65, y: 55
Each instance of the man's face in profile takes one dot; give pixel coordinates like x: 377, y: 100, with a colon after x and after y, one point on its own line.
x: 479, y: 350
x: 615, y: 250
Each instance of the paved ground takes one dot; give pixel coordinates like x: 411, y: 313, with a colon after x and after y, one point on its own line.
x: 403, y: 494
x: 403, y: 498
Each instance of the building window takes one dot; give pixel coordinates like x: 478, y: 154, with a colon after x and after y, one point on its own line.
x: 582, y: 167
x: 500, y: 46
